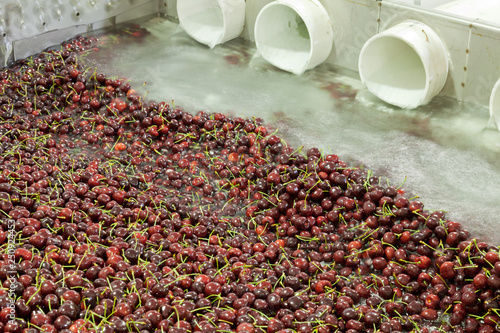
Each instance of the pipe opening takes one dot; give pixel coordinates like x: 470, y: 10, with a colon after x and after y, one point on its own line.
x: 205, y: 22
x: 294, y: 35
x: 283, y: 38
x: 212, y: 22
x: 393, y: 71
x: 405, y: 65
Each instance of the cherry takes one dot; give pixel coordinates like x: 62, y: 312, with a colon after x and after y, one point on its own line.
x: 480, y: 281
x: 213, y: 288
x: 432, y: 301
x: 447, y: 270
x: 429, y: 314
x: 385, y: 292
x: 494, y: 281
x: 372, y: 317
x: 72, y: 296
x: 62, y: 322
x: 39, y: 319
x: 123, y: 309
x: 69, y: 309
x: 469, y: 298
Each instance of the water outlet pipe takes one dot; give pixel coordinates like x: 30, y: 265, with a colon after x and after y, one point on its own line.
x: 405, y: 65
x: 212, y: 22
x: 294, y: 35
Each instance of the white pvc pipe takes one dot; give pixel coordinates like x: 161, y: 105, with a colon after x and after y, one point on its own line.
x: 405, y: 65
x: 212, y: 22
x: 294, y: 35
x: 495, y: 104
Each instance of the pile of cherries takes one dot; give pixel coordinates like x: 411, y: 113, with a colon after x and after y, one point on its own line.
x: 135, y: 216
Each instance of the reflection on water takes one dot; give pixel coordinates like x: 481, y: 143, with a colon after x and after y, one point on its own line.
x: 446, y: 150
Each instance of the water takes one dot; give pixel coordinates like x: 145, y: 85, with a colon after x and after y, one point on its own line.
x: 443, y: 152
